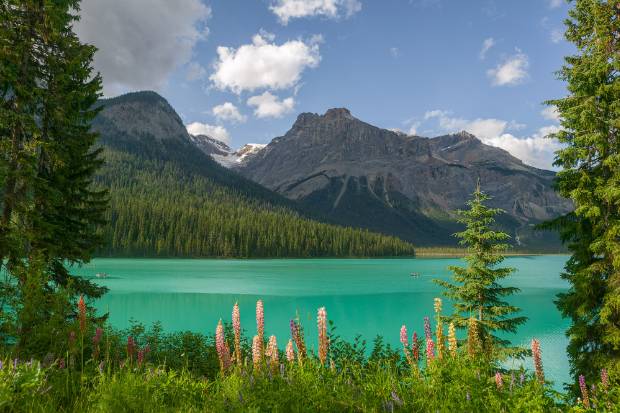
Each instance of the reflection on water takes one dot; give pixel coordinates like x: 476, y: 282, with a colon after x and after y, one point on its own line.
x: 366, y: 297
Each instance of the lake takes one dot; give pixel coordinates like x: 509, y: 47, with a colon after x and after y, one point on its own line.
x: 362, y: 296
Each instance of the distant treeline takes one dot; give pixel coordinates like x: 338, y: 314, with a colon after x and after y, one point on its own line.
x: 159, y: 209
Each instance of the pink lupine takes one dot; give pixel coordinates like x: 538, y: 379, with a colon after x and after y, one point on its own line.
x: 221, y: 347
x: 430, y: 350
x: 584, y: 391
x: 236, y: 321
x: 499, y: 381
x: 272, y: 353
x: 323, y: 340
x: 290, y: 352
x: 414, y: 346
x: 140, y: 357
x: 256, y: 352
x: 540, y: 375
x: 404, y: 338
x: 82, y: 314
x: 131, y: 347
x: 604, y: 379
x: 260, y: 326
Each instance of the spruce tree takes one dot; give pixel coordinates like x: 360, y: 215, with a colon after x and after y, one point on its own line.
x: 590, y: 177
x: 49, y: 207
x: 476, y: 291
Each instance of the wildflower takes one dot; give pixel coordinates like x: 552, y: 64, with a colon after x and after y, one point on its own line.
x: 404, y: 339
x: 256, y: 352
x: 430, y: 350
x: 140, y: 357
x: 473, y: 338
x: 236, y: 321
x: 437, y: 305
x: 452, y: 344
x: 428, y: 334
x: 604, y: 379
x: 1, y: 365
x: 272, y: 352
x: 512, y: 381
x: 521, y: 379
x: 414, y: 347
x: 499, y: 381
x: 323, y: 340
x: 467, y: 396
x: 221, y: 347
x: 82, y: 314
x: 396, y: 399
x: 71, y: 338
x: 260, y: 326
x: 538, y: 361
x: 101, y: 367
x: 61, y: 363
x: 282, y: 369
x: 131, y: 347
x: 584, y: 391
x: 290, y: 353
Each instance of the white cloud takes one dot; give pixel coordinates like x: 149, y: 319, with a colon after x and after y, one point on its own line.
x: 141, y: 42
x: 554, y: 4
x: 550, y: 113
x: 394, y: 52
x: 535, y: 150
x: 195, y: 71
x: 486, y: 46
x: 557, y: 35
x: 268, y: 105
x: 263, y: 64
x: 511, y: 71
x: 292, y: 9
x: 216, y: 132
x: 228, y: 111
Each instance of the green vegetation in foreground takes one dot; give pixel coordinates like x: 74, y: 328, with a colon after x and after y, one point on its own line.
x: 140, y: 370
x: 175, y: 207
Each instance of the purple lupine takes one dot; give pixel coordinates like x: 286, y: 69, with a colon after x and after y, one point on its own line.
x: 604, y: 379
x: 15, y: 362
x: 584, y: 391
x: 521, y: 379
x: 428, y: 334
x: 467, y: 396
x: 1, y: 365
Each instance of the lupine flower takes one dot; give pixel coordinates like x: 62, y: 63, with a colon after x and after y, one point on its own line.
x: 604, y: 379
x: 521, y: 379
x: 290, y: 353
x: 473, y: 338
x: 15, y: 362
x: 538, y: 361
x: 297, y: 334
x: 236, y: 322
x: 499, y: 381
x: 82, y: 314
x: 140, y: 357
x: 414, y: 347
x: 260, y: 326
x: 437, y: 305
x: 467, y: 396
x: 452, y: 343
x: 1, y: 365
x: 131, y: 347
x: 256, y: 352
x: 101, y: 367
x: 396, y: 399
x: 584, y: 392
x: 430, y: 350
x: 272, y: 354
x: 97, y: 336
x: 404, y: 338
x: 61, y: 363
x: 428, y: 334
x: 221, y: 347
x: 323, y: 340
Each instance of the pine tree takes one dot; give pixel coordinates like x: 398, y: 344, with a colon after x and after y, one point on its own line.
x: 590, y: 177
x: 49, y: 207
x: 476, y: 291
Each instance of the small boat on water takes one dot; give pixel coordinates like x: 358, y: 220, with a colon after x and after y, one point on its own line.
x: 415, y: 274
x: 101, y: 275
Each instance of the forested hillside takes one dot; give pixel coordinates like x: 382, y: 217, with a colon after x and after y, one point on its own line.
x: 169, y: 199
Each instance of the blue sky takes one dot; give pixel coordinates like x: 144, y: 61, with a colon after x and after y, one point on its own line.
x: 243, y: 70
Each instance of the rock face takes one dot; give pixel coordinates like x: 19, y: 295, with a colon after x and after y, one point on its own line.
x: 409, y: 186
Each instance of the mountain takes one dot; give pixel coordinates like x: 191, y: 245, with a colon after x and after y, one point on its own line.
x: 167, y: 198
x: 222, y: 153
x: 409, y: 186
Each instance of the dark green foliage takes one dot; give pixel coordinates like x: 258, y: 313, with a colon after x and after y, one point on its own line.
x: 477, y: 291
x: 590, y: 177
x: 49, y: 207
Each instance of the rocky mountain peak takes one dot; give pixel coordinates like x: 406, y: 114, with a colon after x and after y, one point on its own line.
x: 338, y: 113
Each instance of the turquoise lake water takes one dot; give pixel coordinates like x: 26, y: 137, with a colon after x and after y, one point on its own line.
x: 362, y: 296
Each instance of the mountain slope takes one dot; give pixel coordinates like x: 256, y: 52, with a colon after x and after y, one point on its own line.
x: 170, y: 199
x: 360, y: 175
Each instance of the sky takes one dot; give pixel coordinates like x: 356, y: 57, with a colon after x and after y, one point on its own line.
x: 242, y: 70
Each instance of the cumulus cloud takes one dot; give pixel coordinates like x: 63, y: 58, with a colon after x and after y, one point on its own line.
x: 512, y: 71
x: 216, y: 132
x: 535, y: 150
x: 228, y: 112
x: 486, y: 46
x: 554, y: 4
x: 264, y: 64
x: 141, y: 42
x: 268, y: 105
x: 550, y: 113
x: 195, y: 71
x: 292, y: 9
